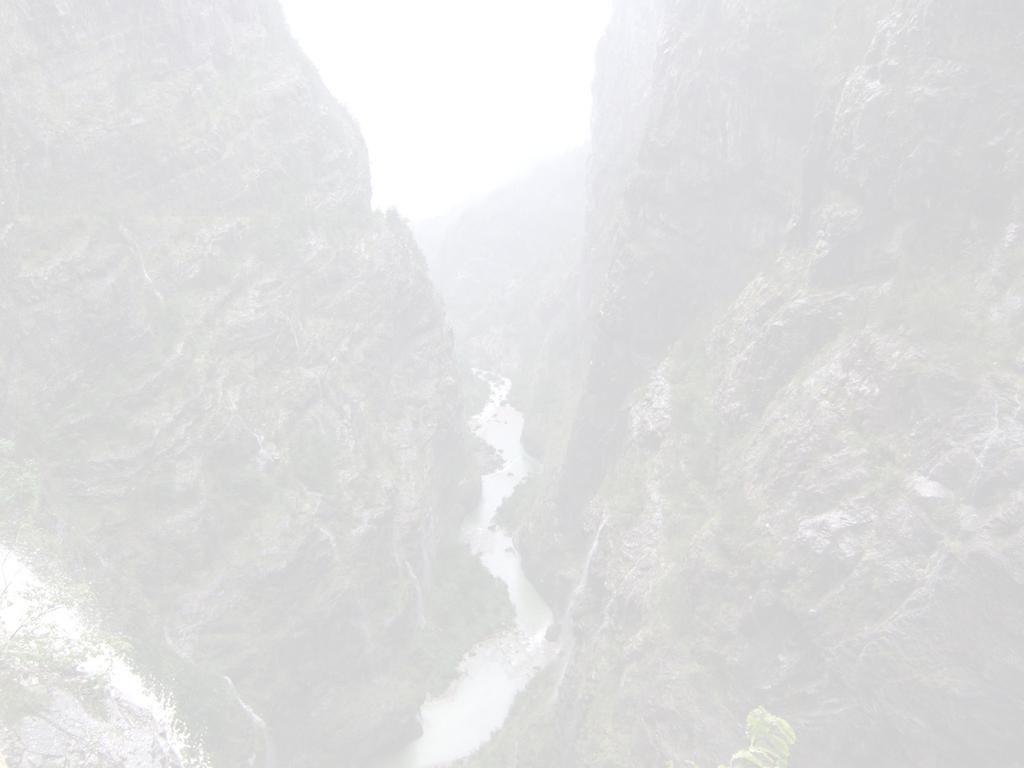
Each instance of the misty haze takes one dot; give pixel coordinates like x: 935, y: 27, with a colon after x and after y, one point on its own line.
x: 548, y: 384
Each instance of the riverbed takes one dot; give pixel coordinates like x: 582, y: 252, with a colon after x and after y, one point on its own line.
x: 465, y: 717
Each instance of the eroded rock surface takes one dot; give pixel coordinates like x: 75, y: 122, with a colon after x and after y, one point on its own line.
x: 794, y: 470
x: 228, y: 404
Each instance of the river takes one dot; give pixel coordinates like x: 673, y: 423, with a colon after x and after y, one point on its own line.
x: 465, y: 717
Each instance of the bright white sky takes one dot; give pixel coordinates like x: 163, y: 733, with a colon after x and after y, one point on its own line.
x: 455, y: 97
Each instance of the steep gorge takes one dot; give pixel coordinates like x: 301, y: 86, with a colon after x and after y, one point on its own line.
x: 228, y: 408
x: 776, y: 391
x: 789, y: 473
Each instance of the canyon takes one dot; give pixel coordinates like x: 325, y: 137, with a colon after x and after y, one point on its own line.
x: 748, y: 450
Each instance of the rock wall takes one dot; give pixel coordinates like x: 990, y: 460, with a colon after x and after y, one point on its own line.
x: 793, y: 476
x: 228, y: 404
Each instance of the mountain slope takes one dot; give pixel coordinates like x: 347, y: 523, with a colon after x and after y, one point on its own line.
x: 229, y: 406
x: 505, y: 268
x: 793, y: 476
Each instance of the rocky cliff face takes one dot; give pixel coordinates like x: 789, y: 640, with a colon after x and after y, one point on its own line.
x: 228, y: 401
x: 794, y: 470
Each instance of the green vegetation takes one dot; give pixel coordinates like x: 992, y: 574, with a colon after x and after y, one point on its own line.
x: 771, y: 739
x: 34, y: 659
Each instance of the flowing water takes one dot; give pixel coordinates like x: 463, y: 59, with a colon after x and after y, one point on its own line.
x: 459, y: 722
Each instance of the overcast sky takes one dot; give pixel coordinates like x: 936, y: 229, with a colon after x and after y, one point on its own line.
x: 455, y: 97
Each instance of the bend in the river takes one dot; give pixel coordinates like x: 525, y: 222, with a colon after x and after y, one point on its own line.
x: 460, y: 721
